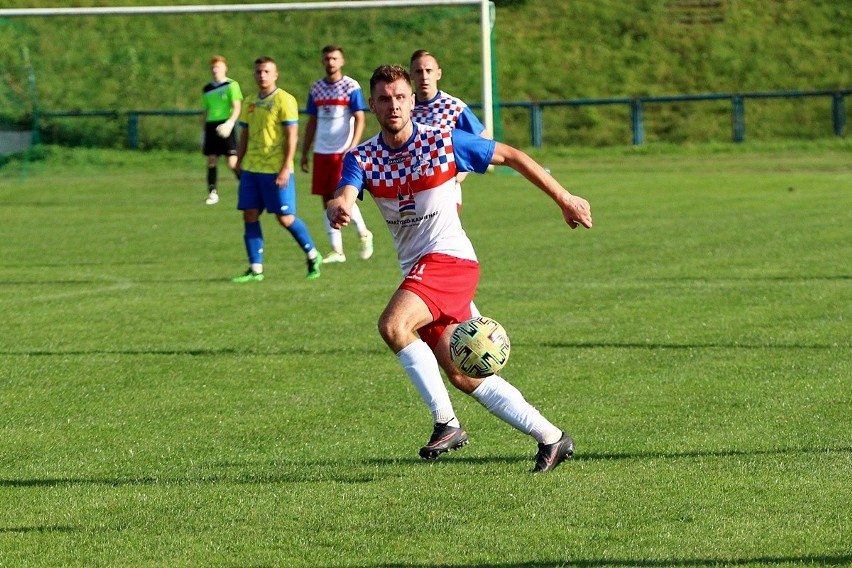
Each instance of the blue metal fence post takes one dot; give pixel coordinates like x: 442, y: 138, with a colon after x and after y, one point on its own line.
x: 838, y: 113
x: 637, y: 121
x: 738, y: 118
x: 132, y: 130
x: 536, y: 124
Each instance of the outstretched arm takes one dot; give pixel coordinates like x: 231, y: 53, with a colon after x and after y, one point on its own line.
x: 339, y: 209
x: 575, y: 209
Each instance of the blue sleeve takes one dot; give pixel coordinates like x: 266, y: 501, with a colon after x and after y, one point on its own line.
x: 468, y: 122
x: 356, y: 101
x: 352, y: 174
x: 311, y: 107
x: 472, y: 153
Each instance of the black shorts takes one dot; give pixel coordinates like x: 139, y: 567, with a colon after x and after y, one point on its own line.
x: 214, y: 145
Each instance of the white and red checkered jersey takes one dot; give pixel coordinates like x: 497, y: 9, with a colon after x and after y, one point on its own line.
x: 414, y: 188
x: 446, y: 111
x: 333, y: 104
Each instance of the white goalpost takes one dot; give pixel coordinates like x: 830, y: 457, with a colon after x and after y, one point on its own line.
x: 484, y: 23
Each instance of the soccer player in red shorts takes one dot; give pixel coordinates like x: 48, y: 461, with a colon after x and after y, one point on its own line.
x: 336, y: 107
x: 410, y: 170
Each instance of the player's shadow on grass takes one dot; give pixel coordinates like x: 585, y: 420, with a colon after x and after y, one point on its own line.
x: 815, y: 559
x: 290, y: 473
x: 225, y: 351
x: 597, y: 456
x: 38, y: 529
x: 129, y: 281
x: 168, y: 352
x: 780, y: 278
x: 456, y: 458
x: 374, y: 469
x: 655, y: 346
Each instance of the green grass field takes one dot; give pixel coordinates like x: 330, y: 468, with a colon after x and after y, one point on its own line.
x: 696, y: 343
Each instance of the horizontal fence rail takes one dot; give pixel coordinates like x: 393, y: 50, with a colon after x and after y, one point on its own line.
x: 637, y: 106
x: 536, y: 111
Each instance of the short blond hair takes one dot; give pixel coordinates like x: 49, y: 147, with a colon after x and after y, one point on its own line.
x: 420, y: 53
x: 218, y: 58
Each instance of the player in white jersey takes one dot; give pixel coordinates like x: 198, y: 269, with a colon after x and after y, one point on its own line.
x: 410, y: 170
x: 441, y: 110
x: 437, y: 108
x: 336, y: 107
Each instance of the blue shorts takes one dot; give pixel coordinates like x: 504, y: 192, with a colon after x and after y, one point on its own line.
x: 258, y: 191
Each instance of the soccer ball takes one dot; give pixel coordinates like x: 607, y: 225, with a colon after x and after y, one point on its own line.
x: 479, y: 347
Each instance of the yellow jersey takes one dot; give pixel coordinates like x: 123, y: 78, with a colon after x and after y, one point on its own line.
x: 265, y: 118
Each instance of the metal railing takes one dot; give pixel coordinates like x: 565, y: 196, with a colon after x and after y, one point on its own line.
x: 536, y: 111
x: 637, y: 108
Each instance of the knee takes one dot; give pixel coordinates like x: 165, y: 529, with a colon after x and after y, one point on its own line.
x: 386, y: 329
x: 394, y: 333
x: 286, y: 220
x: 462, y: 382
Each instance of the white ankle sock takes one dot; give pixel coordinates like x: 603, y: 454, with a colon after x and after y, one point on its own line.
x: 335, y: 238
x: 507, y: 403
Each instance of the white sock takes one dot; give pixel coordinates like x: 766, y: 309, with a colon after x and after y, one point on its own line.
x: 422, y: 368
x: 335, y: 239
x: 507, y: 403
x: 358, y: 220
x: 256, y: 268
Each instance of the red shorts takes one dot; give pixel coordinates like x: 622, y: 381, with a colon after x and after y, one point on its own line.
x: 447, y: 284
x: 327, y: 170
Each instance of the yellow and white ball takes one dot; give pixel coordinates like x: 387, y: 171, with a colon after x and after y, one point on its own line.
x: 479, y: 347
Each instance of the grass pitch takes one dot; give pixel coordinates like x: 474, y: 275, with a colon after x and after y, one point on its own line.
x: 696, y: 343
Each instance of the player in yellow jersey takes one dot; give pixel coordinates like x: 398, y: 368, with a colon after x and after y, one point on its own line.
x: 270, y: 131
